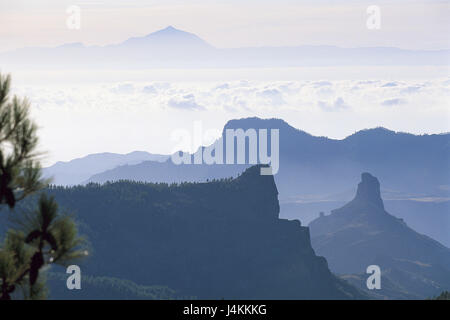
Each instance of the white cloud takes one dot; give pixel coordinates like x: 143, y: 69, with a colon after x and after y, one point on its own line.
x: 272, y: 96
x: 184, y: 102
x: 149, y: 89
x: 393, y: 102
x: 139, y: 115
x: 123, y: 88
x: 322, y: 84
x: 411, y: 89
x: 336, y: 105
x: 389, y: 84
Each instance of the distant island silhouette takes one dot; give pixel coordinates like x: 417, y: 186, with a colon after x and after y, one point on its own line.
x: 174, y: 48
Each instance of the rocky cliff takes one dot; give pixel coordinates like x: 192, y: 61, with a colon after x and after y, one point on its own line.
x: 221, y: 239
x: 362, y: 233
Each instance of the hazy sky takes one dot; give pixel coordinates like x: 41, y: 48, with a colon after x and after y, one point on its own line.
x: 138, y: 110
x: 404, y: 23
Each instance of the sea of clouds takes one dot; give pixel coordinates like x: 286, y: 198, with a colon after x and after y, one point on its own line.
x: 120, y: 117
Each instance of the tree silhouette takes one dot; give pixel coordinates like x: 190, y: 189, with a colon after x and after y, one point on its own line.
x: 19, y: 167
x: 42, y: 236
x: 445, y: 295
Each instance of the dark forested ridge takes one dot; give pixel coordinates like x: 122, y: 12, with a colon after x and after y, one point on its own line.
x: 221, y: 239
x: 109, y: 288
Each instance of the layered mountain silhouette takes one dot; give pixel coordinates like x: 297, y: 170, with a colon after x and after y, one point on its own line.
x: 316, y: 173
x: 167, y: 38
x: 427, y: 217
x: 314, y: 167
x: 172, y: 48
x: 221, y: 239
x: 362, y: 233
x: 77, y: 170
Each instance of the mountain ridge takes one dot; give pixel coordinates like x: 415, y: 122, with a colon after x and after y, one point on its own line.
x: 75, y: 171
x: 220, y: 239
x: 366, y: 150
x: 162, y: 49
x: 170, y: 29
x: 362, y: 233
x: 277, y: 123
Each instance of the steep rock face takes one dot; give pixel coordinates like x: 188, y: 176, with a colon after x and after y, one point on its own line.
x: 368, y: 191
x: 362, y: 233
x: 221, y: 239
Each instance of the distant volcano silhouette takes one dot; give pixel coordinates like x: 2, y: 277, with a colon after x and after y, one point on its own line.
x: 171, y: 47
x: 168, y: 38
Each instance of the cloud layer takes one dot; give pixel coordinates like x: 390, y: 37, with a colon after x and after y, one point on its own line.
x: 121, y: 117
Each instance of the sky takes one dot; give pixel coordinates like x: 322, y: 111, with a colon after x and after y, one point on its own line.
x: 409, y: 24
